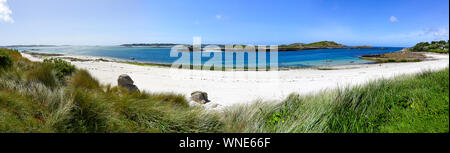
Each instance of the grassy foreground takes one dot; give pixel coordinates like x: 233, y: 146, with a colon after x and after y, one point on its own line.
x: 55, y: 97
x: 34, y: 99
x: 406, y: 104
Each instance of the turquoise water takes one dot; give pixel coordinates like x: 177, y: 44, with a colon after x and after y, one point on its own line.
x: 307, y: 58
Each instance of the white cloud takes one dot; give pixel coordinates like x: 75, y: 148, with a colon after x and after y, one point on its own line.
x: 428, y: 34
x: 437, y: 33
x: 5, y: 12
x: 393, y: 19
x: 218, y: 16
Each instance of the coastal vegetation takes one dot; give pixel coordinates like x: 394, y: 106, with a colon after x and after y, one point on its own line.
x: 61, y: 67
x: 434, y: 46
x: 54, y: 97
x: 33, y: 98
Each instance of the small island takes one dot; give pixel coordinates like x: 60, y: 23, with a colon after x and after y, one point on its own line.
x: 320, y: 45
x: 154, y: 45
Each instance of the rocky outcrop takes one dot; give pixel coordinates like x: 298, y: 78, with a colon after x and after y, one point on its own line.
x: 125, y: 81
x: 200, y: 97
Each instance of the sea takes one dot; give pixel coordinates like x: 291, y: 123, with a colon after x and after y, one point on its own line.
x: 304, y: 58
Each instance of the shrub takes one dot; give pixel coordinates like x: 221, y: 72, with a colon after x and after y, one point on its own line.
x: 61, y: 67
x: 5, y: 61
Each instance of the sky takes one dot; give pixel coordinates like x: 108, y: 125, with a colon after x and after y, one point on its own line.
x: 400, y: 23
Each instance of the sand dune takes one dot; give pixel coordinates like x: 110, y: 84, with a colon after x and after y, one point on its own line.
x: 234, y: 87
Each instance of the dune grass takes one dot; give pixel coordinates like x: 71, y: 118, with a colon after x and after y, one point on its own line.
x: 34, y: 99
x: 38, y: 97
x: 405, y: 104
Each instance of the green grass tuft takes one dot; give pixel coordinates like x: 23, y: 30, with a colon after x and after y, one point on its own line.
x: 44, y: 73
x: 82, y: 79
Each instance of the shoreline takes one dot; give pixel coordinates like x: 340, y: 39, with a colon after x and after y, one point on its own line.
x: 85, y: 58
x: 226, y: 88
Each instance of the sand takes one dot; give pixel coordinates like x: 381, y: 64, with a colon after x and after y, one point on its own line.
x: 238, y: 87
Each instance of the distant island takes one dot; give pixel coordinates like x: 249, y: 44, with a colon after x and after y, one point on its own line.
x: 290, y: 47
x: 320, y: 45
x: 155, y: 45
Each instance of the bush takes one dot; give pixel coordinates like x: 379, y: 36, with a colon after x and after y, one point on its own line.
x: 61, y: 67
x: 5, y: 61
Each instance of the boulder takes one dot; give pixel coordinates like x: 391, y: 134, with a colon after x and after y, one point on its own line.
x: 126, y: 82
x: 131, y: 88
x: 200, y: 97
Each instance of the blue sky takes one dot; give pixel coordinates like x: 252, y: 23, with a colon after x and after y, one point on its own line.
x: 270, y: 22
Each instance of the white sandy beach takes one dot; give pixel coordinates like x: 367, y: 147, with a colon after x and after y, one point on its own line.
x: 235, y: 87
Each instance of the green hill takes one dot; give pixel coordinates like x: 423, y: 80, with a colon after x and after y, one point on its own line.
x: 317, y: 45
x: 325, y: 44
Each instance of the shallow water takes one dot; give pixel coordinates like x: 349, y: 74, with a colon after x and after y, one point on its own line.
x: 307, y: 58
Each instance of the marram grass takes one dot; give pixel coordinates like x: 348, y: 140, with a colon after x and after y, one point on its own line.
x: 34, y: 99
x: 405, y: 104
